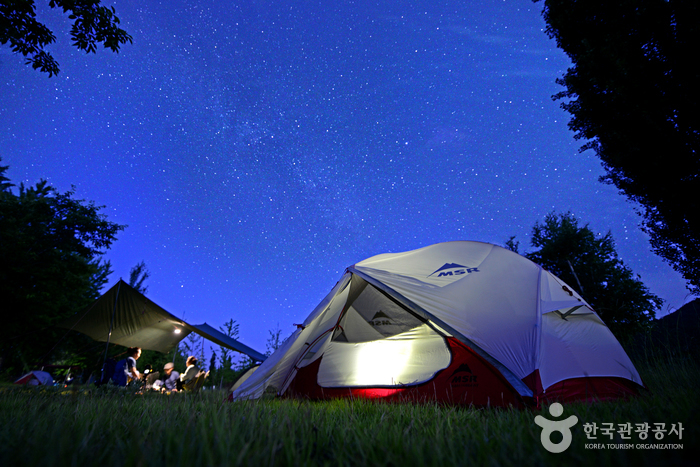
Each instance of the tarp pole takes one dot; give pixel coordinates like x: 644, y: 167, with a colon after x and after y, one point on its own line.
x: 178, y: 344
x: 111, y: 324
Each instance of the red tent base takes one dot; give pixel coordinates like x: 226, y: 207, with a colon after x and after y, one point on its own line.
x: 588, y: 389
x: 468, y: 380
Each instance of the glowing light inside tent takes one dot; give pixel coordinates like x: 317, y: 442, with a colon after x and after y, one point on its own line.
x: 177, y: 331
x: 382, y: 363
x: 407, y: 358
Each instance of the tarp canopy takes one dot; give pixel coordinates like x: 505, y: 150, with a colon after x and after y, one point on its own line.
x: 222, y: 339
x: 124, y: 316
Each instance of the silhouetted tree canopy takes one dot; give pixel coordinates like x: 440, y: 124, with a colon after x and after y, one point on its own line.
x: 591, y: 265
x: 51, y: 248
x: 92, y: 24
x: 138, y: 275
x: 633, y: 92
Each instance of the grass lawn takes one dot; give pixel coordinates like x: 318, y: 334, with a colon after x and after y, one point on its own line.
x: 105, y: 427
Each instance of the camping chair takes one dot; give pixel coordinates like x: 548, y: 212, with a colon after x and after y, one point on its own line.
x: 196, y: 383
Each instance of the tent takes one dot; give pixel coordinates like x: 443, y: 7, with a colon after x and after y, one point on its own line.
x: 124, y: 316
x: 36, y: 378
x: 458, y: 322
x: 243, y: 377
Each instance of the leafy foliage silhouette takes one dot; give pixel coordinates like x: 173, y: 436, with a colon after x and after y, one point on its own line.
x: 92, y: 24
x: 633, y: 94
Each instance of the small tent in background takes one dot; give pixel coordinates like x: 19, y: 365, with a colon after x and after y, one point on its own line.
x: 457, y: 322
x: 36, y: 378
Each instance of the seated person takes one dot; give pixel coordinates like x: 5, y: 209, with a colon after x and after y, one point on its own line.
x: 150, y: 377
x: 192, y: 370
x: 125, y: 371
x: 171, y: 378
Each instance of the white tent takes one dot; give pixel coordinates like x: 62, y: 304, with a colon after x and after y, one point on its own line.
x: 462, y: 322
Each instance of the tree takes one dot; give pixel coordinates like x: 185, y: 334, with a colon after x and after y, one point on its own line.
x: 137, y: 276
x: 213, y: 372
x: 591, y: 264
x: 633, y: 95
x: 226, y: 372
x: 92, y: 24
x: 274, y: 341
x: 51, y: 248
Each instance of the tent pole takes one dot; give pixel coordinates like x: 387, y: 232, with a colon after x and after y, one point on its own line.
x: 580, y: 287
x: 109, y: 336
x: 178, y: 344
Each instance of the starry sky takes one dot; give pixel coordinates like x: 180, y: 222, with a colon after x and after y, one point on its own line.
x: 256, y: 149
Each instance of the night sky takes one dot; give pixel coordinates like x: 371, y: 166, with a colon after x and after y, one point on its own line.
x: 256, y: 149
